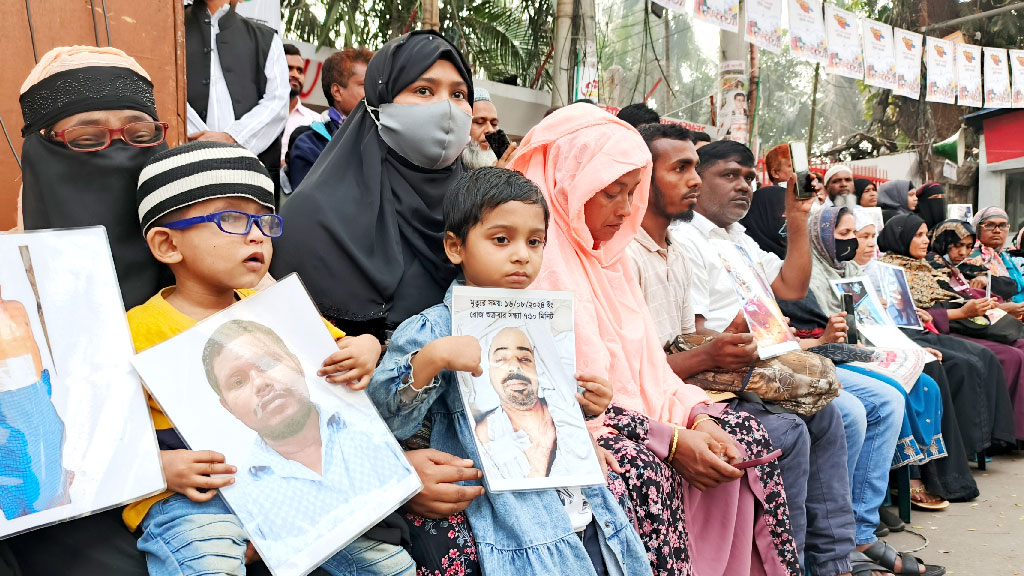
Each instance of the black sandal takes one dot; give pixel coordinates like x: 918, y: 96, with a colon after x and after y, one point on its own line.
x: 886, y: 556
x: 861, y: 565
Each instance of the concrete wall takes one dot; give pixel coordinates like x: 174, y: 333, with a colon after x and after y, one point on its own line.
x: 992, y: 178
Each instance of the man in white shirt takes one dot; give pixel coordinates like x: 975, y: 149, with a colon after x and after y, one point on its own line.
x: 298, y: 115
x: 237, y: 80
x: 727, y: 168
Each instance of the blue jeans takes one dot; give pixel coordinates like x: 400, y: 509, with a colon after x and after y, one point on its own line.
x: 880, y: 416
x: 813, y: 465
x: 185, y: 538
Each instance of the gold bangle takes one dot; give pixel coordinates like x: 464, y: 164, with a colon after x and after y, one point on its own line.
x: 700, y: 420
x: 675, y: 442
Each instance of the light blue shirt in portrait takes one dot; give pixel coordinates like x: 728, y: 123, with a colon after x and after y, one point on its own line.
x: 284, y: 505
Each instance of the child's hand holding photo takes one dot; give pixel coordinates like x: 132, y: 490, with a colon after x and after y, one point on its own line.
x: 353, y: 363
x: 453, y: 353
x: 596, y: 394
x: 189, y: 471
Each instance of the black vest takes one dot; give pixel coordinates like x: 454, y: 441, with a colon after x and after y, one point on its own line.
x: 243, y: 46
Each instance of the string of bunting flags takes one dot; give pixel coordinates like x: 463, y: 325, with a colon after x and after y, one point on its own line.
x: 877, y: 53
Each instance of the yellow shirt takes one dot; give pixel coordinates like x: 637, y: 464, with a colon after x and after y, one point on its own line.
x: 152, y: 323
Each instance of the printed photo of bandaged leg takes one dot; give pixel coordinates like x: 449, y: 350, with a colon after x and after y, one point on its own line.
x: 32, y: 474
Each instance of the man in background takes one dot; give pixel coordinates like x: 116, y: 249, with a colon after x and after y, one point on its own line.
x: 343, y: 77
x: 636, y: 115
x: 237, y: 81
x: 298, y: 115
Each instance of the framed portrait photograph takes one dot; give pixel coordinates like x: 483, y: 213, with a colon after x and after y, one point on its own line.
x: 896, y: 297
x: 316, y: 465
x: 763, y: 315
x: 75, y: 432
x: 873, y: 322
x: 529, y: 427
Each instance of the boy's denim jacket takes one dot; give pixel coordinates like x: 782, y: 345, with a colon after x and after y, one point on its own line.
x: 515, y: 532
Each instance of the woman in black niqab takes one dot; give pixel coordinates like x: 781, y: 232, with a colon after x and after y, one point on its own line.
x: 63, y: 188
x: 764, y: 221
x: 365, y: 226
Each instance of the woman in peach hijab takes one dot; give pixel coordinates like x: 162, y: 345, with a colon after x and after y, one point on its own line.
x: 695, y: 511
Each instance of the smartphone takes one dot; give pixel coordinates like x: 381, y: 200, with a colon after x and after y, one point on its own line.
x: 851, y: 319
x: 498, y: 142
x: 798, y: 156
x: 758, y: 461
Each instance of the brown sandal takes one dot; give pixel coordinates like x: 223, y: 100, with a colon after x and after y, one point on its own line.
x: 923, y: 505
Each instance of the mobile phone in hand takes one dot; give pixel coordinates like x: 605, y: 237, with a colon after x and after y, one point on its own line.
x: 798, y: 156
x: 498, y: 142
x: 758, y: 461
x: 851, y: 319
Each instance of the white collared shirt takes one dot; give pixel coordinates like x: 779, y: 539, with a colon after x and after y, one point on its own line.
x: 713, y: 295
x: 257, y: 128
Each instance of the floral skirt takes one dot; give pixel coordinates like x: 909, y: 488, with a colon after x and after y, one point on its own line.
x: 656, y: 490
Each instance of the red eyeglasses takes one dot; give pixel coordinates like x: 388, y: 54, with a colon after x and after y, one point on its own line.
x: 96, y: 138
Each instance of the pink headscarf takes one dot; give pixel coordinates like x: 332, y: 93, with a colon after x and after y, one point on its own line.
x: 572, y: 155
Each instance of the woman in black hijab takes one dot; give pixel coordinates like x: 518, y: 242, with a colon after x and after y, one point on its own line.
x: 931, y: 204
x: 977, y: 379
x: 365, y: 224
x: 764, y: 222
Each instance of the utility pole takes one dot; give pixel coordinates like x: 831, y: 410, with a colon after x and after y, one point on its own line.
x: 575, y: 28
x: 561, y: 74
x: 431, y: 15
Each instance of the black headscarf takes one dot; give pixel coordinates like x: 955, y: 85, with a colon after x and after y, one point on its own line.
x: 947, y: 234
x: 860, y: 185
x: 931, y: 204
x: 67, y: 189
x: 893, y: 198
x: 898, y: 233
x: 764, y: 219
x: 365, y: 226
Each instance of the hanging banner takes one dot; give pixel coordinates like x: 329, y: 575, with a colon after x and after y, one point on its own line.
x: 997, y: 78
x: 1016, y: 58
x: 722, y: 13
x: 939, y: 58
x: 968, y: 75
x: 732, y: 111
x: 842, y: 33
x: 764, y: 24
x: 879, y: 59
x: 674, y: 5
x: 907, y: 52
x: 807, y: 31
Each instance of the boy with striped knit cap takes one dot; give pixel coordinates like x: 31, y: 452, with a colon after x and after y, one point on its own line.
x: 207, y: 212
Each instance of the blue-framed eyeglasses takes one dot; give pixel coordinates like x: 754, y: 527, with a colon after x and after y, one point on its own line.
x: 235, y: 222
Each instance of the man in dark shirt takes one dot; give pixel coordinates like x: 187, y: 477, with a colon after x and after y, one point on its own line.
x: 343, y: 76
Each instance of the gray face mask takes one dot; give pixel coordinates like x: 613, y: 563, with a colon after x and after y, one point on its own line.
x: 428, y: 135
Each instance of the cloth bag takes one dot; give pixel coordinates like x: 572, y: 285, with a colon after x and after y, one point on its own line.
x: 799, y: 381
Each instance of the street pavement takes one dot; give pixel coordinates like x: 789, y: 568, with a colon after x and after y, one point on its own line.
x: 983, y: 537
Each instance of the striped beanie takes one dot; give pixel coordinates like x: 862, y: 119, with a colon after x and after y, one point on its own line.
x: 199, y: 171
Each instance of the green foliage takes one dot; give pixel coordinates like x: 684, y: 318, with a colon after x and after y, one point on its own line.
x: 500, y: 37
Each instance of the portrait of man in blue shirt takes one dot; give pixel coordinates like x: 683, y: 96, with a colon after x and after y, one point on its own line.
x: 313, y: 463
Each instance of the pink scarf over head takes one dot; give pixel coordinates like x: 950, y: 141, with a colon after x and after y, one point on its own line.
x: 572, y: 155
